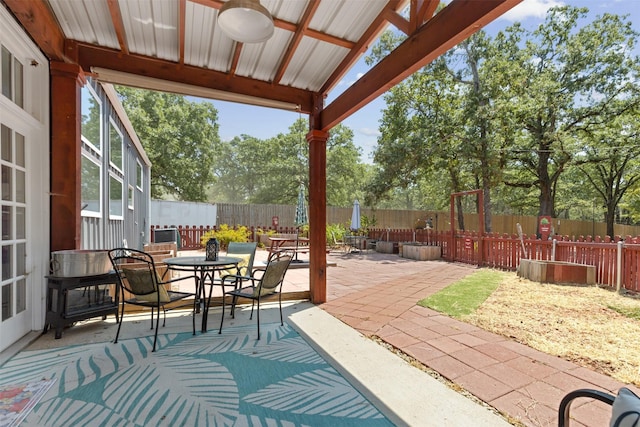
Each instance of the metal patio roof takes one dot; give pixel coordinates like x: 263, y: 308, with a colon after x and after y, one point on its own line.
x: 176, y: 45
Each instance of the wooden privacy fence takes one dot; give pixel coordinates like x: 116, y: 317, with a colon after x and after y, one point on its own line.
x: 234, y: 214
x: 617, y: 260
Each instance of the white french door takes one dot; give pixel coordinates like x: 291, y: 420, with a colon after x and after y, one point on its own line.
x: 24, y: 182
x: 15, y: 288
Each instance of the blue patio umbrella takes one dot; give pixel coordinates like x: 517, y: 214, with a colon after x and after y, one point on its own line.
x: 301, y: 209
x: 355, y: 216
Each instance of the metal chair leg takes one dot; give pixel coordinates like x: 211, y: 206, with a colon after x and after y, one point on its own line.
x: 258, y: 316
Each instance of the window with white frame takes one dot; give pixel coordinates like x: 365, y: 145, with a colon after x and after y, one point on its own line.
x: 115, y: 146
x: 138, y: 174
x: 12, y: 72
x: 91, y: 118
x: 90, y: 187
x: 115, y: 197
x: 130, y: 197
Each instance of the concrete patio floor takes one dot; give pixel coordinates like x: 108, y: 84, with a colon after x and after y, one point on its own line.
x: 371, y: 309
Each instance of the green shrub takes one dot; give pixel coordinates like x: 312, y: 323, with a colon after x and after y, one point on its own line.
x: 335, y: 232
x: 225, y: 234
x: 304, y: 230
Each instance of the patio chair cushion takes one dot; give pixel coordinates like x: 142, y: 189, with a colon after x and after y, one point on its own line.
x: 242, y: 266
x: 626, y: 409
x: 141, y: 282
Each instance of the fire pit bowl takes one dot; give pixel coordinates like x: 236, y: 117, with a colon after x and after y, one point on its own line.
x: 80, y: 263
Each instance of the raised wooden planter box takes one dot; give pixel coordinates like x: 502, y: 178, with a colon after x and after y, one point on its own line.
x: 421, y: 252
x: 557, y: 272
x: 387, y: 247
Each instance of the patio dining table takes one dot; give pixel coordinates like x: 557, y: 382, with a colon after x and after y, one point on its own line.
x: 300, y: 244
x: 205, y: 271
x: 356, y: 243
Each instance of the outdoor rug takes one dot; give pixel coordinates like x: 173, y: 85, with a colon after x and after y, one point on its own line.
x: 203, y: 380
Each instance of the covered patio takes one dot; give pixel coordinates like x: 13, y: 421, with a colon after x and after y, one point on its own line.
x: 178, y: 46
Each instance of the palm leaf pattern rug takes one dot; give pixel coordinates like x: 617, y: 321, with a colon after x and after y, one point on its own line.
x: 203, y: 380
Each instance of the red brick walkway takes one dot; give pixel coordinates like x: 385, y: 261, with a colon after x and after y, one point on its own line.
x: 377, y: 294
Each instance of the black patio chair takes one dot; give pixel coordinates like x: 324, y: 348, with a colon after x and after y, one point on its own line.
x: 267, y: 285
x: 138, y: 276
x: 625, y: 409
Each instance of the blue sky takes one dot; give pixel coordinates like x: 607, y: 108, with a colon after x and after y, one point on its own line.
x: 263, y: 123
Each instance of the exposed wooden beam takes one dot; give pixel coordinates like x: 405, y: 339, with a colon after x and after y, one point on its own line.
x: 421, y: 11
x: 38, y: 20
x: 324, y: 37
x: 297, y: 37
x: 456, y: 22
x: 88, y: 56
x: 236, y: 57
x: 182, y: 17
x: 216, y: 4
x: 363, y: 44
x: 118, y: 25
x: 397, y: 20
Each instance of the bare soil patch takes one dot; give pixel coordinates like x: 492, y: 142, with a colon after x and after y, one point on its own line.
x: 577, y: 323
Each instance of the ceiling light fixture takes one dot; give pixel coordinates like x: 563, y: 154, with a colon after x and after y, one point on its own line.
x: 246, y: 21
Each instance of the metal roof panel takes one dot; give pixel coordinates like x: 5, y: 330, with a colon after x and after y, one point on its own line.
x: 85, y: 21
x: 151, y: 27
x: 287, y: 10
x: 312, y: 63
x: 261, y: 60
x: 347, y: 19
x: 198, y: 33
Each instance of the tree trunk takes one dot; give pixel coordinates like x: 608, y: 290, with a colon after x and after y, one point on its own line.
x: 455, y: 182
x: 460, y: 213
x: 487, y: 209
x: 610, y: 217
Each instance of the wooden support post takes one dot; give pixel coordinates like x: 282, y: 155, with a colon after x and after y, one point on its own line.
x: 66, y: 160
x: 317, y: 215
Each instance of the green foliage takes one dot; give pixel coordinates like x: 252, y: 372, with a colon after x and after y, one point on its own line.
x: 268, y: 232
x: 270, y: 171
x: 565, y: 83
x: 465, y: 296
x: 630, y: 312
x: 225, y: 235
x: 304, y: 230
x: 335, y: 232
x: 180, y: 138
x: 365, y: 224
x: 515, y: 116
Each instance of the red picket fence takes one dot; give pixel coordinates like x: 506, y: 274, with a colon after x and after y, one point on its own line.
x: 190, y: 234
x: 617, y: 260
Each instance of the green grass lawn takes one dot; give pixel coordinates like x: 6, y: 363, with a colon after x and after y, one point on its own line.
x: 465, y: 296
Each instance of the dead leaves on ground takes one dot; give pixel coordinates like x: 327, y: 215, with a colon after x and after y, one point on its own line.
x: 574, y: 322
